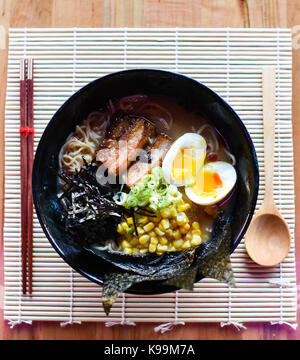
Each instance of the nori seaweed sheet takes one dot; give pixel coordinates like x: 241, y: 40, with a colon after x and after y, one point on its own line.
x: 212, y: 259
x: 180, y: 269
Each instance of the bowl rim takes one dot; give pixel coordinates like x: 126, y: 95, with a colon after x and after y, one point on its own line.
x: 140, y: 70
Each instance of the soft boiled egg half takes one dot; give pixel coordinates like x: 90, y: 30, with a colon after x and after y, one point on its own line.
x: 205, y: 184
x: 213, y: 183
x: 184, y: 159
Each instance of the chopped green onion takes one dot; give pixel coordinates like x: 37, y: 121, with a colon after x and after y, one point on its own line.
x: 173, y: 189
x: 140, y: 186
x: 153, y: 207
x: 163, y: 189
x: 152, y: 184
x: 175, y: 198
x: 158, y: 172
x: 120, y: 198
x: 134, y: 190
x: 128, y: 230
x: 146, y: 179
x: 131, y: 201
x: 153, y: 192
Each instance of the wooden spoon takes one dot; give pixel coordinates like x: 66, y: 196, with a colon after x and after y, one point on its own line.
x: 268, y: 238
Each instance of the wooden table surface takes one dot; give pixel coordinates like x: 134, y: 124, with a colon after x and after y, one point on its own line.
x: 149, y: 13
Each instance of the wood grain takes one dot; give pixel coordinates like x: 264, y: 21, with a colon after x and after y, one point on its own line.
x: 149, y: 13
x: 80, y: 13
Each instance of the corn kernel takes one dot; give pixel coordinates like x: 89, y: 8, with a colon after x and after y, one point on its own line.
x: 144, y: 239
x: 196, y: 240
x: 173, y: 212
x: 196, y: 232
x: 169, y: 233
x: 187, y: 226
x: 165, y: 213
x: 181, y: 219
x: 173, y: 223
x: 186, y: 245
x: 178, y: 244
x: 183, y: 207
x: 135, y: 250
x: 134, y: 241
x: 120, y: 229
x: 154, y: 240
x: 159, y: 232
x: 160, y: 226
x: 165, y: 223
x: 142, y: 220
x: 152, y: 234
x: 188, y: 236
x: 195, y: 225
x: 187, y: 206
x: 130, y: 221
x: 124, y: 225
x: 172, y: 248
x: 149, y: 226
x: 140, y: 230
x: 125, y: 244
x: 176, y: 235
x: 127, y: 251
x: 159, y: 253
x: 183, y: 230
x: 152, y: 248
x: 163, y: 240
x: 156, y: 219
x: 162, y: 248
x: 143, y: 251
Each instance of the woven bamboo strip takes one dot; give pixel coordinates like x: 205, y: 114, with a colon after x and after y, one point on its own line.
x: 227, y: 60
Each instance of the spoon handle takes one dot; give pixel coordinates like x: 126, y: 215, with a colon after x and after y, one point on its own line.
x: 269, y: 114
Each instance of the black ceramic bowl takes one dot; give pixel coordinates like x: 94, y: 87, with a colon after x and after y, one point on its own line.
x: 187, y: 92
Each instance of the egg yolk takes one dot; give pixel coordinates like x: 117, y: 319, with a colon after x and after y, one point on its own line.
x: 209, y: 185
x: 186, y: 165
x: 212, y: 182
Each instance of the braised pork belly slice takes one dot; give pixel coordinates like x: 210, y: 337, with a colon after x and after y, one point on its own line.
x: 114, y: 132
x: 107, y: 148
x: 117, y: 154
x: 155, y: 154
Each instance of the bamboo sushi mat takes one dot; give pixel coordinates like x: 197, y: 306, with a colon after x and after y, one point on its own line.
x: 227, y: 60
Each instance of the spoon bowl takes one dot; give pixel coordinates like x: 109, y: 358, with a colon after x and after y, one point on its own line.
x: 268, y: 239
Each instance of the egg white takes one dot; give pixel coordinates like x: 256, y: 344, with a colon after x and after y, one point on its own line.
x: 228, y: 177
x: 188, y: 140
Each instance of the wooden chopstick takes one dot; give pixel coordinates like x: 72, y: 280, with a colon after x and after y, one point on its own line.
x: 26, y: 133
x: 30, y: 141
x: 24, y: 178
